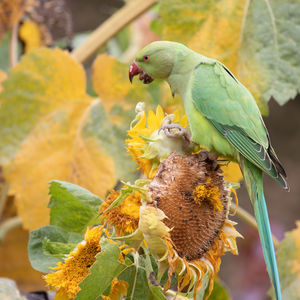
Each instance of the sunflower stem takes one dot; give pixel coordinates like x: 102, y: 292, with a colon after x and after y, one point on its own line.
x: 13, y: 46
x: 4, y: 187
x: 111, y: 27
x: 9, y: 225
x: 248, y: 218
x: 136, y: 263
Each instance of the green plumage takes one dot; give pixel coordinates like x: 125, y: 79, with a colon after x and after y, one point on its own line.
x: 231, y: 109
x: 225, y: 118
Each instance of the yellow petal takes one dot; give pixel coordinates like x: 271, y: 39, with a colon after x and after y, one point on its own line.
x: 153, y: 122
x: 159, y: 112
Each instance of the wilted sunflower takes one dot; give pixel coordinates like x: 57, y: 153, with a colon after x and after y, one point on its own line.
x: 146, y: 144
x: 75, y: 268
x: 125, y: 217
x: 186, y: 226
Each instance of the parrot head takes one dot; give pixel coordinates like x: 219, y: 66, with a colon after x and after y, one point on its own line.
x: 155, y: 61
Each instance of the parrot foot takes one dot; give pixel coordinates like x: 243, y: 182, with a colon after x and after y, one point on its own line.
x: 207, y: 155
x: 211, y: 157
x: 176, y: 130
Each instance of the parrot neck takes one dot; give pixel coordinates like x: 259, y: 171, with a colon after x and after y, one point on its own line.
x: 185, y: 62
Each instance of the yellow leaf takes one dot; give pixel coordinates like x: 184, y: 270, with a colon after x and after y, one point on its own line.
x: 111, y: 83
x: 30, y: 34
x: 110, y: 79
x: 47, y: 79
x: 10, y: 13
x: 57, y: 149
x: 56, y: 131
x: 2, y: 77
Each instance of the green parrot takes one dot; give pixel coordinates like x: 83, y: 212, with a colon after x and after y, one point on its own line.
x: 224, y: 117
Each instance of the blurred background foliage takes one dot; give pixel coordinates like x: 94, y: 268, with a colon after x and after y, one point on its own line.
x: 64, y: 115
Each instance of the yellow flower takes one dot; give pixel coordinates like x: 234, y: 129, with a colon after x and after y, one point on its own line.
x: 210, y: 193
x: 76, y: 266
x: 186, y: 227
x: 125, y: 217
x: 146, y: 145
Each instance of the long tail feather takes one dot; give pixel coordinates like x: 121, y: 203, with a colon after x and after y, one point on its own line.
x: 254, y: 183
x: 261, y: 214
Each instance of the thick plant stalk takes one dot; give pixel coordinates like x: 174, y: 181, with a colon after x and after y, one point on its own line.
x: 111, y: 27
x: 9, y: 225
x: 13, y: 46
x: 248, y: 218
x: 4, y: 187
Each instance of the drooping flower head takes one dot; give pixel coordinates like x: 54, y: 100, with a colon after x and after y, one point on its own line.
x: 186, y: 226
x: 76, y: 266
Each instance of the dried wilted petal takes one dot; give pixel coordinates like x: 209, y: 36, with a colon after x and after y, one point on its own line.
x: 125, y: 217
x: 191, y: 193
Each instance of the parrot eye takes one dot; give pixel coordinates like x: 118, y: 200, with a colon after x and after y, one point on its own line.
x: 146, y: 58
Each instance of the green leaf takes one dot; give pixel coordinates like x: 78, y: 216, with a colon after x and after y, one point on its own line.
x: 201, y: 293
x: 220, y: 291
x: 141, y: 288
x: 73, y: 208
x: 4, y: 52
x: 288, y: 259
x: 139, y: 277
x: 155, y: 289
x: 102, y: 272
x: 258, y: 40
x: 56, y: 249
x: 48, y: 245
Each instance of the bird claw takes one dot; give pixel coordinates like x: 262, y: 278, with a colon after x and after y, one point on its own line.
x: 181, y: 132
x: 207, y: 155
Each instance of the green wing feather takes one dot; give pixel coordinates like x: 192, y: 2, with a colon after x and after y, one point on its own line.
x: 232, y: 110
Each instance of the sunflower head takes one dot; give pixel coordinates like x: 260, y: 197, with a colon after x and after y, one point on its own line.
x: 192, y: 194
x: 75, y: 268
x: 186, y: 225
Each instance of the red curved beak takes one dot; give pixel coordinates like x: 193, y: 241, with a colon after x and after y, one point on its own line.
x: 134, y: 70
